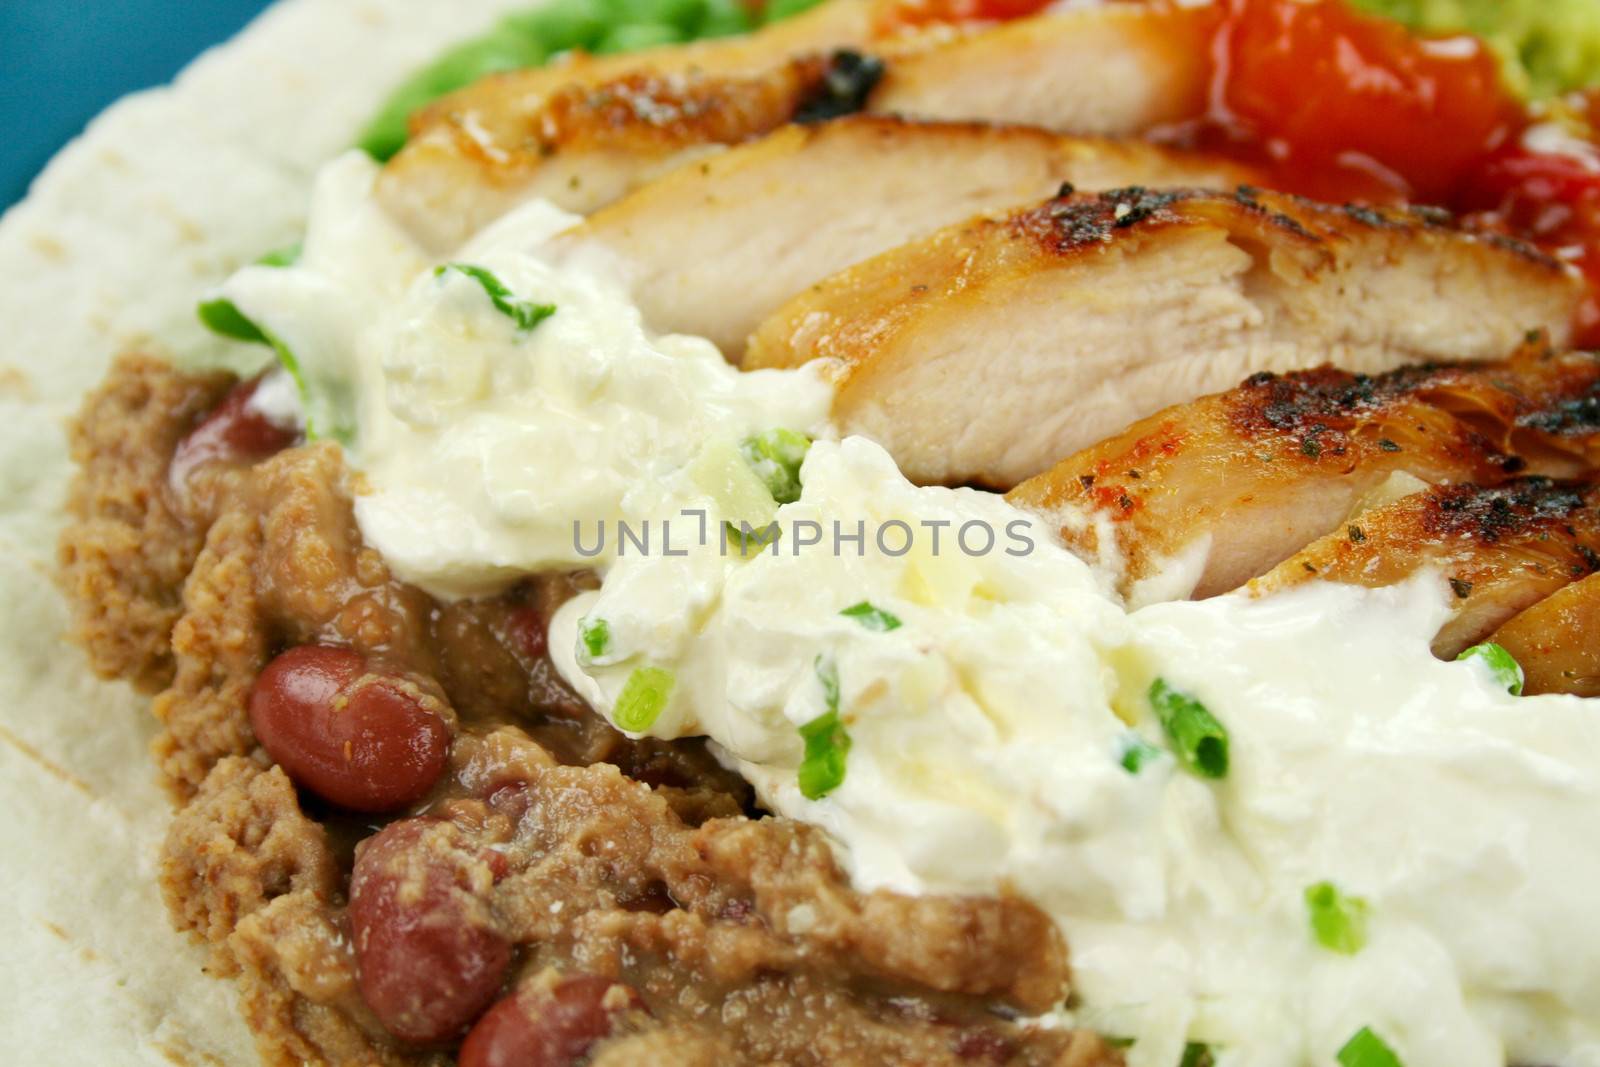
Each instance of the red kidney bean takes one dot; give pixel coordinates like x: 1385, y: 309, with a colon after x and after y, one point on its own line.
x: 356, y: 737
x: 428, y: 960
x: 527, y: 628
x: 981, y: 1046
x: 234, y: 432
x: 536, y: 1027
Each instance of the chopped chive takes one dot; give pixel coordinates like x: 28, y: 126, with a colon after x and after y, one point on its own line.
x: 752, y: 540
x: 326, y: 414
x: 776, y: 455
x: 1136, y: 753
x: 595, y: 634
x: 287, y: 256
x: 1502, y: 664
x: 828, y: 675
x: 1198, y: 740
x: 1338, y: 921
x: 525, y: 313
x: 222, y: 317
x: 1367, y: 1049
x: 872, y: 617
x: 1196, y: 1054
x: 827, y: 741
x: 643, y: 698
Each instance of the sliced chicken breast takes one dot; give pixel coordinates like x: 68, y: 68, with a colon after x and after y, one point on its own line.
x: 715, y: 246
x: 1502, y: 549
x: 984, y: 352
x: 584, y: 146
x: 584, y: 132
x: 1203, y: 497
x: 1116, y: 70
x: 1557, y: 641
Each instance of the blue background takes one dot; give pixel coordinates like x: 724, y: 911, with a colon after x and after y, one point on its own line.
x: 64, y: 61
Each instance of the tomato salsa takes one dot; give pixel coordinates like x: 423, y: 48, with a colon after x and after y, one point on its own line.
x: 1339, y: 105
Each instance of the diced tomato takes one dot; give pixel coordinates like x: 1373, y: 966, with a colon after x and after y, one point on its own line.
x: 1339, y: 104
x: 1553, y: 199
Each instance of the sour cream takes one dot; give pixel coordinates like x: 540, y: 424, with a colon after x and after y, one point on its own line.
x: 990, y: 683
x: 489, y: 452
x: 988, y: 731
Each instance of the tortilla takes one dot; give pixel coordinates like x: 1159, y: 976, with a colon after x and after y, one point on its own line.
x: 163, y: 196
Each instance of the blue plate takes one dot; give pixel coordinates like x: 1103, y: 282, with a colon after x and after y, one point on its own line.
x: 62, y: 64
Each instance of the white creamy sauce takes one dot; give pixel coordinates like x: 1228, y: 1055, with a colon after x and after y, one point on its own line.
x: 482, y: 444
x: 988, y: 728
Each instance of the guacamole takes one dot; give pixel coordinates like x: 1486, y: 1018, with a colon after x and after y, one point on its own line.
x: 1547, y: 47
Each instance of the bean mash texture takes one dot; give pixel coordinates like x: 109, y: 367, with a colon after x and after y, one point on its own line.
x: 523, y: 881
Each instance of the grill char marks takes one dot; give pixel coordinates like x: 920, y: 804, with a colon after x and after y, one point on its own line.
x: 1112, y: 71
x: 585, y: 130
x: 983, y: 352
x: 715, y: 246
x: 584, y: 145
x: 1238, y: 482
x: 1489, y: 514
x: 1071, y: 223
x: 847, y: 80
x: 1331, y: 413
x: 1500, y: 549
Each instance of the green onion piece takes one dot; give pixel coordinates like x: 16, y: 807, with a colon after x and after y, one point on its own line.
x: 827, y: 741
x: 1197, y: 1055
x: 1338, y: 921
x: 1507, y: 671
x: 1198, y: 739
x: 595, y: 634
x: 525, y: 313
x: 1136, y: 753
x: 644, y: 697
x: 872, y: 617
x: 287, y: 256
x: 222, y: 317
x: 776, y: 455
x: 756, y: 540
x: 828, y: 675
x: 327, y: 411
x: 1367, y: 1049
x: 1118, y: 1042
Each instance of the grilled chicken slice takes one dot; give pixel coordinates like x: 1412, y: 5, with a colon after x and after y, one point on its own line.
x: 584, y: 146
x: 717, y: 245
x: 1557, y: 641
x: 1115, y: 71
x: 1501, y: 548
x: 584, y: 132
x: 986, y: 351
x: 1205, y: 496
